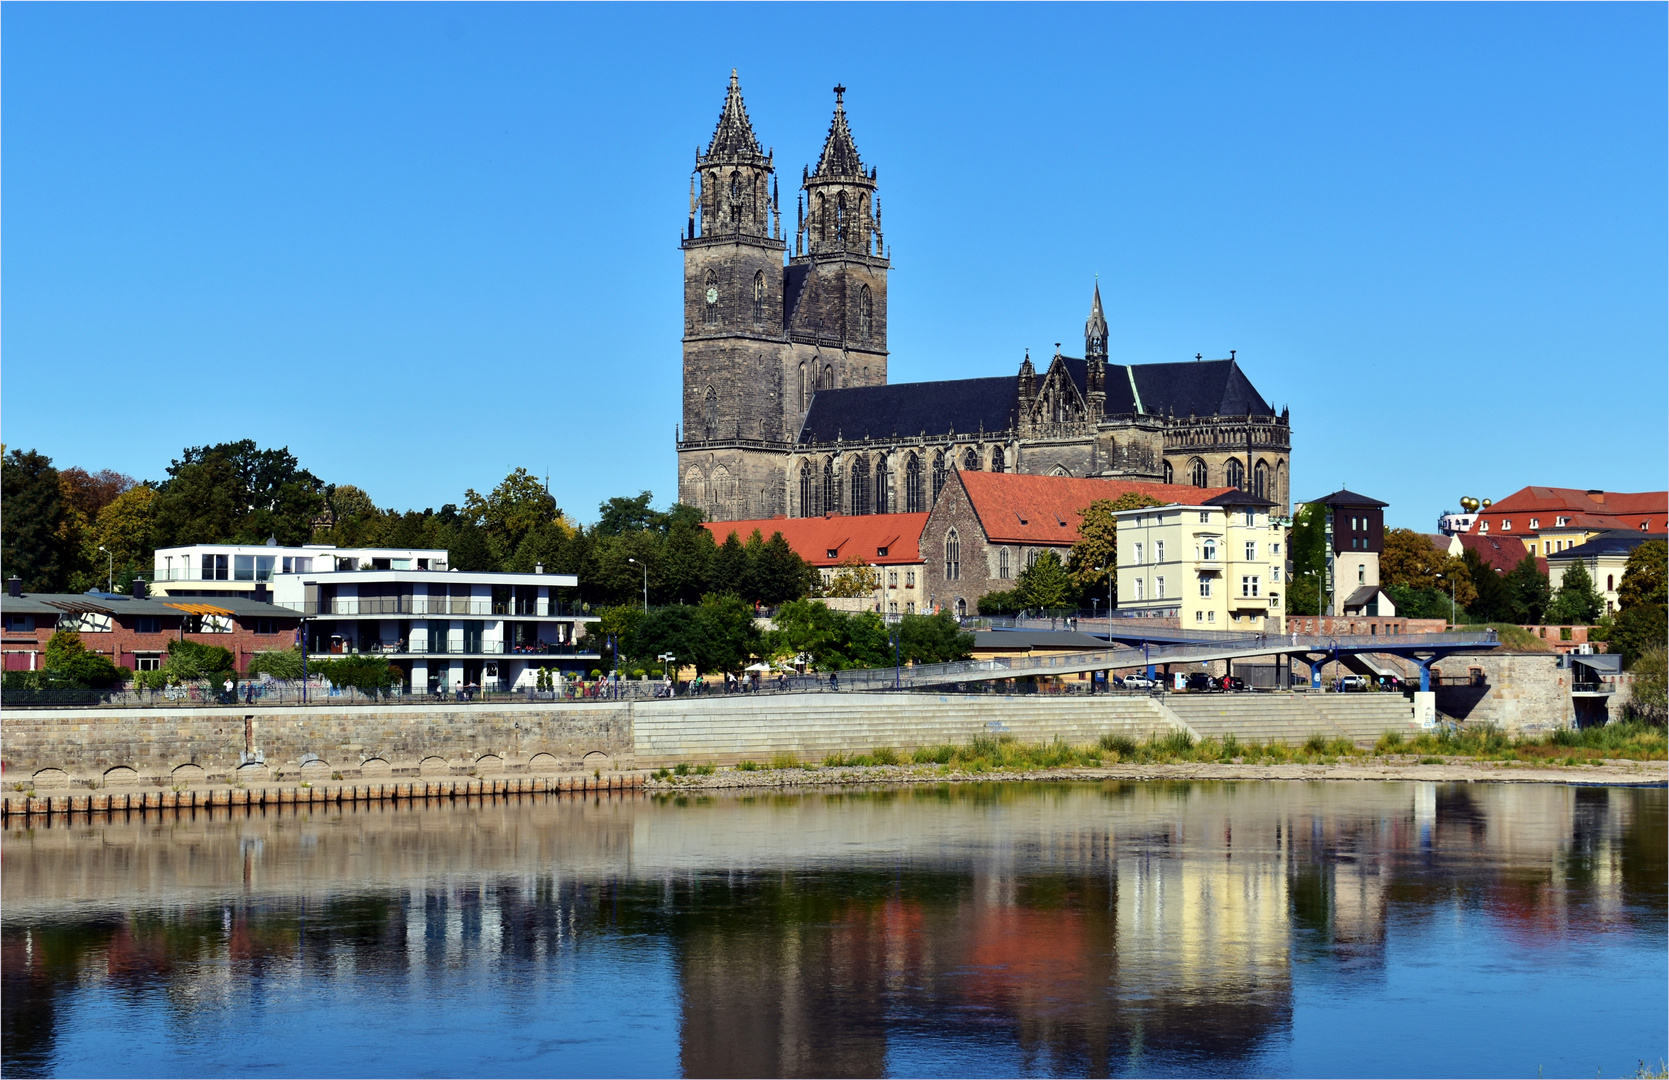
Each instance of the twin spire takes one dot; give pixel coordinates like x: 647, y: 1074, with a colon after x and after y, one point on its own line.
x: 734, y: 136
x: 840, y: 153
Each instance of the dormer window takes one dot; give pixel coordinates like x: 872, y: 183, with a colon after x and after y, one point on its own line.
x: 834, y: 553
x: 1563, y: 521
x: 880, y: 553
x: 1483, y: 526
x: 1506, y: 524
x: 1535, y: 523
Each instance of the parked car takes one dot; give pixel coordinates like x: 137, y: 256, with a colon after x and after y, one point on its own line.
x: 1138, y: 682
x: 1231, y: 682
x: 1351, y: 683
x: 1199, y: 680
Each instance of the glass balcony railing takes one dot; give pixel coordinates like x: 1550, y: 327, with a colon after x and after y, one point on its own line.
x: 427, y: 606
x: 468, y: 648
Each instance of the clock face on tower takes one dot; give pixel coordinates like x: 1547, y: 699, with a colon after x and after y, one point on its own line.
x: 712, y: 296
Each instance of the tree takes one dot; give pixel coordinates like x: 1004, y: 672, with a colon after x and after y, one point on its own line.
x: 1576, y: 601
x: 933, y: 639
x: 852, y: 578
x: 1002, y: 602
x: 1304, y: 596
x: 687, y: 565
x: 71, y: 666
x: 621, y: 515
x: 810, y: 629
x: 126, y: 528
x: 1045, y: 584
x: 278, y: 663
x: 33, y: 511
x: 1649, y: 697
x: 193, y: 660
x: 200, y: 503
x: 729, y: 567
x: 238, y: 492
x: 781, y: 575
x: 1645, y: 576
x: 1528, y: 591
x: 517, y: 506
x: 1410, y: 559
x: 1638, y: 630
x: 732, y: 636
x: 678, y: 629
x: 1094, y: 557
x: 1490, y: 602
x: 369, y: 674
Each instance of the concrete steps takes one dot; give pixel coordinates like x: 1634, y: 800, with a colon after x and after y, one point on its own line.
x: 1293, y: 718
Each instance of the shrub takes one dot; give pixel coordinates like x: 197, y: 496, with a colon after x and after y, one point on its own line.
x: 1122, y: 745
x: 747, y: 766
x: 1389, y: 743
x: 884, y: 755
x: 279, y: 663
x: 785, y: 761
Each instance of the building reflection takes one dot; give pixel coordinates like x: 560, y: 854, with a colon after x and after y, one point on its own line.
x: 1085, y: 928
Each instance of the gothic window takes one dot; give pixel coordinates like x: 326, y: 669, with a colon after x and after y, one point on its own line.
x: 953, y: 557
x: 822, y: 218
x: 831, y: 492
x: 710, y: 413
x: 1170, y: 473
x: 840, y: 216
x: 1280, y: 493
x: 1260, y: 480
x: 1060, y: 470
x: 997, y: 462
x: 805, y: 389
x: 912, y: 485
x: 759, y: 297
x: 860, y: 486
x: 1196, y: 473
x: 970, y: 460
x: 1235, y: 474
x: 866, y: 313
x: 828, y: 378
x: 806, y: 486
x: 938, y: 474
x: 1002, y: 564
x: 710, y: 297
x: 882, y: 501
x: 736, y: 198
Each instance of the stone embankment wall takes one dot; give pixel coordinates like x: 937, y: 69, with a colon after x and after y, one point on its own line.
x: 170, y: 747
x: 1522, y: 692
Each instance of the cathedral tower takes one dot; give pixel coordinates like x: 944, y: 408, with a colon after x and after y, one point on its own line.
x: 1095, y: 358
x: 733, y: 256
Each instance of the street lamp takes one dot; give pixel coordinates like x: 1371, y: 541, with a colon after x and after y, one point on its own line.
x: 645, y: 584
x: 110, y: 570
x: 1451, y: 581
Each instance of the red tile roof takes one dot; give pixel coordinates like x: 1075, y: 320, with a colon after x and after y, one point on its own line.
x: 1501, y: 552
x: 1586, y: 510
x: 859, y: 537
x: 1025, y: 509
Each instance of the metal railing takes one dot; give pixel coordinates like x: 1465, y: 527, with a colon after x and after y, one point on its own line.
x: 429, y: 606
x: 469, y: 648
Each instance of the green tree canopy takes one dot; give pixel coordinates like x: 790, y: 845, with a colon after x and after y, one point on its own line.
x: 1411, y: 559
x: 278, y: 663
x: 1528, y: 590
x: 189, y: 659
x: 517, y: 506
x: 71, y: 665
x: 1094, y: 557
x: 1645, y: 576
x: 33, y: 509
x: 933, y: 639
x: 1045, y: 583
x: 1576, y: 601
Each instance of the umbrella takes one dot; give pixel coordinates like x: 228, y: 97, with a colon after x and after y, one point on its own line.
x: 758, y: 667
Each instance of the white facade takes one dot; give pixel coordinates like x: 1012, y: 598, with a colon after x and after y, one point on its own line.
x: 445, y: 630
x: 236, y: 569
x: 1214, y: 567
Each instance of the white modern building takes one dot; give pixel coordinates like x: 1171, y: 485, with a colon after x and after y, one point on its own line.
x: 445, y: 629
x: 1217, y: 565
x: 236, y: 570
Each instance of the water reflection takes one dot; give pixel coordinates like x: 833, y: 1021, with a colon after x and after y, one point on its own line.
x: 1046, y: 929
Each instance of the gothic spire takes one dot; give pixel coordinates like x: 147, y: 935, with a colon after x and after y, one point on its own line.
x: 734, y: 135
x: 1095, y: 329
x: 840, y: 153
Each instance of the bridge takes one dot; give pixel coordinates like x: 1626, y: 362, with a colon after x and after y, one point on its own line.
x: 1146, y: 650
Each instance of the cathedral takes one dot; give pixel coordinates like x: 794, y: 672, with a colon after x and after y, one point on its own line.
x: 787, y: 407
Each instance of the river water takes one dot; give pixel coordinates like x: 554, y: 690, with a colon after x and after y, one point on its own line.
x: 1257, y: 928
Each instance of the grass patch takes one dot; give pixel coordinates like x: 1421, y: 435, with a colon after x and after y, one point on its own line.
x: 1432, y: 761
x: 747, y: 766
x: 785, y: 761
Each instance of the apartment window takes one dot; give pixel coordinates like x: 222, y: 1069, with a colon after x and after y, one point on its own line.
x: 20, y: 624
x: 1274, y: 600
x: 147, y: 624
x: 243, y: 567
x: 214, y: 567
x: 1002, y: 564
x: 1205, y: 517
x: 1159, y: 551
x: 401, y: 564
x: 1249, y: 585
x: 1483, y: 526
x: 892, y: 579
x: 1361, y: 575
x: 1274, y: 573
x: 266, y: 626
x: 1274, y: 549
x: 1205, y: 586
x: 147, y: 662
x: 1610, y: 583
x: 1251, y: 518
x: 299, y: 564
x: 1532, y: 549
x: 910, y: 579
x: 1159, y: 588
x: 1138, y: 553
x: 909, y: 607
x: 1210, y: 551
x: 1561, y: 522
x: 1251, y: 550
x: 1138, y: 588
x: 1211, y: 616
x: 892, y: 608
x: 1199, y: 616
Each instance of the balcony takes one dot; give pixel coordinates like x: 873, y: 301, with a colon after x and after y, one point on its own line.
x: 404, y: 649
x: 431, y: 606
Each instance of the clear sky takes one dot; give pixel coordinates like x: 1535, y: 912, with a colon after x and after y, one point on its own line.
x: 421, y: 245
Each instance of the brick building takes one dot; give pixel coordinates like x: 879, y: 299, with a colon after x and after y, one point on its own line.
x: 787, y: 409
x: 889, y: 544
x: 987, y: 527
x: 134, y: 631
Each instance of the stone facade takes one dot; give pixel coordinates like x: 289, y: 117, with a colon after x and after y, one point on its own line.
x: 781, y: 337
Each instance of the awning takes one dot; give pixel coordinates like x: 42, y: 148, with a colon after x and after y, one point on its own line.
x: 201, y: 609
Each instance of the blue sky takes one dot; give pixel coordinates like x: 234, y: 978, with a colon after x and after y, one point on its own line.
x: 421, y: 245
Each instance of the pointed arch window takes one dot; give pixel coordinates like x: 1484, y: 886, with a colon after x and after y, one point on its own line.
x: 759, y: 297
x: 805, y: 388
x: 883, y: 500
x: 831, y: 492
x: 1196, y: 473
x: 860, y: 485
x: 822, y: 217
x: 828, y: 382
x: 710, y: 413
x: 1170, y: 474
x: 912, y: 485
x: 840, y: 216
x: 998, y: 463
x: 866, y: 313
x: 807, y: 485
x: 1260, y: 480
x: 970, y: 460
x: 1234, y: 474
x: 953, y: 557
x: 1002, y: 564
x: 939, y: 473
x: 710, y: 297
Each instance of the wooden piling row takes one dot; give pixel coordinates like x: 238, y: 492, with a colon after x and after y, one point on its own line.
x: 101, y: 802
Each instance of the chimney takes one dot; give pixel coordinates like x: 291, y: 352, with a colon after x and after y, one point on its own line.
x: 139, y: 590
x: 538, y: 568
x: 14, y: 586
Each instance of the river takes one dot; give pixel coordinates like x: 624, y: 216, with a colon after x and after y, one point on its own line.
x: 1275, y: 928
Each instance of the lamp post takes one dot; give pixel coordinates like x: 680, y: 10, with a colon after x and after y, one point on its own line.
x: 1451, y: 581
x: 645, y: 583
x: 109, y: 569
